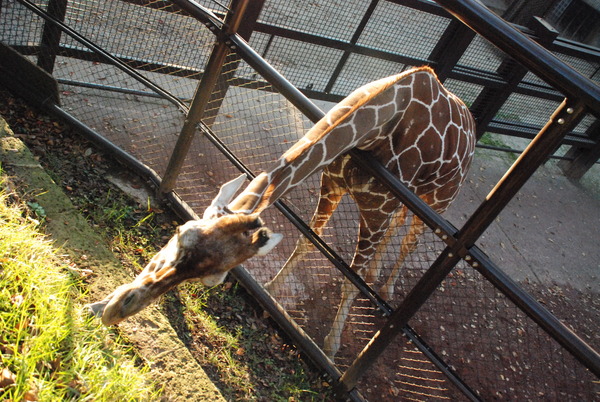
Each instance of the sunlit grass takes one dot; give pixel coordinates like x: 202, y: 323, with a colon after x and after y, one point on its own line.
x: 235, y: 350
x: 50, y: 350
x: 224, y: 343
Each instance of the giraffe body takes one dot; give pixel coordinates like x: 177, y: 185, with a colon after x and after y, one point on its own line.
x: 417, y: 129
x: 426, y: 137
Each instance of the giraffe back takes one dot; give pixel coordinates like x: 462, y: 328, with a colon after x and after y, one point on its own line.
x: 412, y: 124
x: 428, y: 143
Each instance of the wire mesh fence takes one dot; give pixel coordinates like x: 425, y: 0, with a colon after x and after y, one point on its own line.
x: 482, y: 335
x: 483, y: 329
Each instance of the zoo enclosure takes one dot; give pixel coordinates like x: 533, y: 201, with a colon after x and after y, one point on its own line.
x: 88, y: 93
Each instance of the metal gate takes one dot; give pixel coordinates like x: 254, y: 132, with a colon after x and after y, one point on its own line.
x: 130, y: 73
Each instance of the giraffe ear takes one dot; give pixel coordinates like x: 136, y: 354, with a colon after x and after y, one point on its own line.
x: 224, y: 196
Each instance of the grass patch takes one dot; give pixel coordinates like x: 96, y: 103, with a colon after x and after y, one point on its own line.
x: 492, y: 140
x: 248, y: 358
x: 495, y: 141
x: 50, y: 350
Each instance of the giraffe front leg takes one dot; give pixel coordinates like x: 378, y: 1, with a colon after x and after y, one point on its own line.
x: 285, y: 286
x: 374, y: 268
x: 409, y: 244
x: 331, y: 344
x: 374, y: 223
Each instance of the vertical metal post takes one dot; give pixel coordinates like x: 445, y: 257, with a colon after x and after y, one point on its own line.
x: 562, y: 121
x: 201, y: 99
x: 580, y: 160
x: 244, y: 30
x: 199, y: 102
x: 51, y: 35
x: 490, y: 100
x: 447, y: 52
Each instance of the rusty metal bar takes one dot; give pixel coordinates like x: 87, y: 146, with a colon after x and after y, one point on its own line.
x: 201, y: 99
x: 564, y: 119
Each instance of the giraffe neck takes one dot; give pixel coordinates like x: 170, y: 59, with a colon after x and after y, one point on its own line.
x: 371, y: 112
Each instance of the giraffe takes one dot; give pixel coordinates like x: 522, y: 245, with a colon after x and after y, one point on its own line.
x: 428, y: 143
x: 421, y: 132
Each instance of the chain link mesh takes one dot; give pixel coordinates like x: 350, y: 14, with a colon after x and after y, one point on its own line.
x: 477, y: 330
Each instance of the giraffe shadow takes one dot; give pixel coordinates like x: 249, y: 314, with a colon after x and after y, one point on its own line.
x: 174, y: 309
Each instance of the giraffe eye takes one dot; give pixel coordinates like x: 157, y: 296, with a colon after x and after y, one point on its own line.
x: 128, y: 299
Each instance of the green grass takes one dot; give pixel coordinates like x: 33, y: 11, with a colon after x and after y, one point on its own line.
x: 50, y: 349
x: 495, y: 141
x: 243, y: 350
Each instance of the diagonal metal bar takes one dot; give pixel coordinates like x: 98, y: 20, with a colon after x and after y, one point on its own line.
x: 565, y: 118
x: 524, y: 50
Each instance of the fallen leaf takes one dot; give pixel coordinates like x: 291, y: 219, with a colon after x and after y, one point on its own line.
x: 7, y: 378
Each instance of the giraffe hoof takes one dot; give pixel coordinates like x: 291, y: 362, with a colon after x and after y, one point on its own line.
x: 330, y: 347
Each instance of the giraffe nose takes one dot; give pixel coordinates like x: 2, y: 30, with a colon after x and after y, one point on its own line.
x: 267, y: 241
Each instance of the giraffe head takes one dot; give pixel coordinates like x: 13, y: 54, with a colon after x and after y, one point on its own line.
x: 201, y: 250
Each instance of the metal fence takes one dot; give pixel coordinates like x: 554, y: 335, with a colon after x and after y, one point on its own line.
x: 127, y: 72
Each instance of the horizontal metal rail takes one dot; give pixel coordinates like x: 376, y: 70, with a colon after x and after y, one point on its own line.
x: 559, y: 45
x: 459, y: 72
x: 527, y: 52
x: 496, y: 126
x: 462, y: 73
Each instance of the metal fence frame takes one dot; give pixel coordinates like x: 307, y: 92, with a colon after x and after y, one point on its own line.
x: 499, y: 85
x: 582, y: 97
